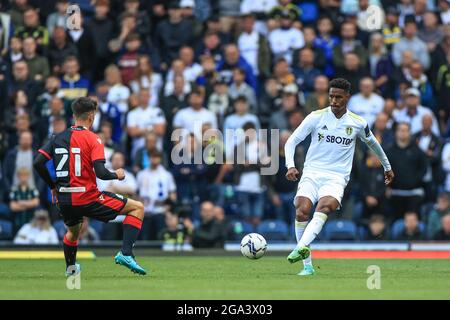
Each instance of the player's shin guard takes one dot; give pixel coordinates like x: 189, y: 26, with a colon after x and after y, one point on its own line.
x: 131, y: 228
x: 70, y: 251
x: 313, y: 229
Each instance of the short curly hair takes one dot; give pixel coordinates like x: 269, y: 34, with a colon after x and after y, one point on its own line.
x: 341, y: 83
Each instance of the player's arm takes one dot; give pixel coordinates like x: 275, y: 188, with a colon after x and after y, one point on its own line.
x: 40, y: 167
x: 302, y: 131
x: 372, y: 142
x: 98, y: 161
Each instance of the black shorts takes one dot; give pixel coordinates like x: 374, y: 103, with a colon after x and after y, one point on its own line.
x: 108, y: 206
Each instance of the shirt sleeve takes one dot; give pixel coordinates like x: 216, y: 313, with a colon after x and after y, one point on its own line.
x: 300, y: 134
x: 368, y: 138
x: 47, y: 149
x: 98, y: 149
x: 159, y: 118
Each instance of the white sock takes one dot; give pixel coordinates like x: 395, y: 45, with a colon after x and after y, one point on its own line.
x: 312, y: 229
x: 299, y: 229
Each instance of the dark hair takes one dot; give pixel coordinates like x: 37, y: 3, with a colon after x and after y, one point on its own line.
x: 82, y: 106
x: 248, y: 125
x: 156, y: 154
x: 340, y: 83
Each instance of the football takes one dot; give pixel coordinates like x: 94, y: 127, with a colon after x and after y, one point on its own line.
x: 253, y: 246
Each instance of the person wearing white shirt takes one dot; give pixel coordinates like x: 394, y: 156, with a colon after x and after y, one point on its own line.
x: 148, y: 79
x: 444, y: 9
x: 236, y: 121
x: 194, y: 117
x: 414, y: 112
x: 367, y: 103
x: 118, y: 94
x: 127, y: 186
x: 178, y: 69
x: 284, y: 40
x: 261, y: 9
x: 38, y: 231
x: 156, y: 187
x: 144, y: 118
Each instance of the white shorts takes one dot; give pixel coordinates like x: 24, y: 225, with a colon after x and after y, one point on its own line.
x: 316, y: 185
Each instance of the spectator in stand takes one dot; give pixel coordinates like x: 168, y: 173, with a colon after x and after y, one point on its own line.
x: 411, y: 42
x: 109, y: 111
x: 59, y: 17
x: 411, y: 231
x: 146, y: 78
x: 84, y: 41
x: 380, y: 64
x: 260, y: 10
x: 180, y: 31
x: 156, y: 187
x: 289, y: 103
x: 219, y: 102
x: 444, y: 9
x: 445, y: 158
x: 444, y: 233
x: 194, y: 116
x: 52, y: 89
x: 101, y: 27
x: 305, y: 73
x: 142, y: 158
x: 210, y: 233
x: 377, y: 229
x: 232, y: 60
x: 434, y: 217
x: 19, y: 157
x: 430, y: 32
x: 431, y: 145
x: 32, y: 28
x: 327, y: 42
x: 285, y: 39
x: 118, y: 93
x: 23, y: 199
x: 192, y: 69
x: 14, y: 53
x: 366, y: 103
x: 318, y: 99
x: 419, y: 80
x: 254, y: 47
x: 175, y: 232
x: 210, y: 46
x: 443, y: 87
x: 281, y: 190
x: 127, y: 187
x: 240, y: 88
x: 373, y: 190
x: 392, y: 32
x: 349, y: 44
x: 414, y: 112
x: 177, y: 69
x: 59, y: 49
x: 145, y: 118
x: 73, y: 84
x: 283, y: 73
x: 38, y: 65
x: 177, y: 100
x: 22, y: 81
x: 409, y: 163
x: 249, y: 183
x: 128, y: 57
x: 38, y: 231
x: 353, y: 71
x: 236, y: 121
x: 381, y: 130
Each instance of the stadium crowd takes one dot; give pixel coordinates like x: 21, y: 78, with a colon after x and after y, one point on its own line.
x: 155, y: 66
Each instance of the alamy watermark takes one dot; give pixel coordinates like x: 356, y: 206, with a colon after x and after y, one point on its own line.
x: 73, y: 282
x: 374, y: 280
x: 73, y: 21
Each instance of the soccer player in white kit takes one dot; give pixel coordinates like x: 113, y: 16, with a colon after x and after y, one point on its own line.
x: 327, y: 167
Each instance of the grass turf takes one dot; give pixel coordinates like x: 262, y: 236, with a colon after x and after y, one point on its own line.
x: 226, y: 278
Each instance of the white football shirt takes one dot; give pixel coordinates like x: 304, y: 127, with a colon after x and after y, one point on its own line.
x: 332, y: 141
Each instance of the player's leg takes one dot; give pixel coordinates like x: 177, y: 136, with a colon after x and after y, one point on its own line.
x: 132, y: 224
x: 303, y: 207
x: 70, y: 246
x: 325, y: 206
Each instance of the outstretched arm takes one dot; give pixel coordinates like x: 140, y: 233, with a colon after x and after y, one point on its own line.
x: 376, y: 148
x: 302, y: 131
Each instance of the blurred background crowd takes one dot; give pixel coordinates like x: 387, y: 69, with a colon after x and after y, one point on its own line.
x: 155, y: 66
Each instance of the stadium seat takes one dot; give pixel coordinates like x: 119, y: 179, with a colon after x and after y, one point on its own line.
x: 238, y: 229
x: 340, y: 230
x: 274, y: 230
x: 60, y: 228
x: 5, y: 213
x: 6, y: 230
x: 398, y: 226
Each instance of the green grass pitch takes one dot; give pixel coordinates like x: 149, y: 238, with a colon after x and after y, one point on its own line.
x: 226, y: 278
